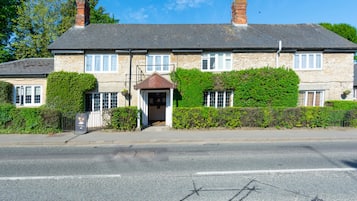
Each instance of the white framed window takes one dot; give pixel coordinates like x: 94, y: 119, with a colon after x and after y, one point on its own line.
x: 101, y: 101
x: 217, y: 61
x: 311, y: 98
x: 28, y: 95
x: 158, y: 63
x: 308, y: 61
x: 218, y: 99
x: 101, y: 63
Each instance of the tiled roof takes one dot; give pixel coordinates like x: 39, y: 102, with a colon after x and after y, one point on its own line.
x: 34, y: 67
x: 201, y: 37
x: 155, y: 81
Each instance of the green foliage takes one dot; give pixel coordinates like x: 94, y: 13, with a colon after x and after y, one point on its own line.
x: 262, y: 87
x: 262, y: 117
x: 98, y: 15
x: 6, y: 111
x: 66, y: 90
x: 191, y: 85
x: 35, y: 28
x: 345, y: 30
x: 124, y: 118
x: 40, y: 22
x: 28, y: 120
x: 7, y: 14
x: 341, y: 105
x: 6, y: 92
x: 351, y: 118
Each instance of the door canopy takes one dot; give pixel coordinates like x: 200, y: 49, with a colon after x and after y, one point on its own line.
x: 155, y: 81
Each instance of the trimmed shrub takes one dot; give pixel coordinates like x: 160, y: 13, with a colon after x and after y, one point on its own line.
x: 6, y: 90
x: 66, y: 91
x: 124, y: 118
x: 6, y: 111
x: 342, y: 105
x: 28, y: 120
x: 233, y: 117
x: 351, y: 118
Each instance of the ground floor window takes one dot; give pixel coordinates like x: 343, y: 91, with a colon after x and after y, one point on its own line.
x: 311, y: 98
x: 101, y: 101
x: 28, y: 95
x: 218, y: 99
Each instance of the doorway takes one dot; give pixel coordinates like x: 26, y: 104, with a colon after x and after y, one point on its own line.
x: 157, y: 108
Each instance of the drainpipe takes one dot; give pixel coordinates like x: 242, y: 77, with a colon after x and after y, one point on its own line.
x: 130, y: 72
x: 278, y: 53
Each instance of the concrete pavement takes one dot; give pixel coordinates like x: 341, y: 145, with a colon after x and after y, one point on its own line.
x: 164, y: 135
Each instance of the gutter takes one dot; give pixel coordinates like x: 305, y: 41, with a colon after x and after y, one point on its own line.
x: 45, y: 75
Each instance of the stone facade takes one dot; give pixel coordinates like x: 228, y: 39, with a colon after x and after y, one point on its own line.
x: 29, y: 82
x: 335, y: 77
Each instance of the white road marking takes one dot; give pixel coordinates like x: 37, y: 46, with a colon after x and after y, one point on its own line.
x: 59, y: 177
x: 279, y: 171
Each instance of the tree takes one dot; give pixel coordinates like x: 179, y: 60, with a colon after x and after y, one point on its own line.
x: 345, y: 30
x: 40, y: 22
x: 35, y: 27
x: 7, y: 13
x: 97, y: 15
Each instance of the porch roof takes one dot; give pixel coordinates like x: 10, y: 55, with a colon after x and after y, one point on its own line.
x: 155, y: 81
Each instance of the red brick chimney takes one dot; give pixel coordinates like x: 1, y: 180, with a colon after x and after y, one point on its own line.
x: 82, y: 17
x: 239, y: 12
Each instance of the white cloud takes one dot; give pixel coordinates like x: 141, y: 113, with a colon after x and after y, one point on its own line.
x: 138, y: 15
x: 184, y: 4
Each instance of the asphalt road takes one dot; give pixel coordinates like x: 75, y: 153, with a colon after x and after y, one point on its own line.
x: 249, y: 171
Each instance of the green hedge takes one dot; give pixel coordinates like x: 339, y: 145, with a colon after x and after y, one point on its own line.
x: 28, y: 120
x: 263, y: 117
x: 66, y: 91
x: 6, y: 92
x: 341, y: 105
x: 262, y: 87
x: 6, y: 112
x: 124, y: 118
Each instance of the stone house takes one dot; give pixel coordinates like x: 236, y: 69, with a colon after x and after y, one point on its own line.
x: 29, y: 77
x: 136, y: 59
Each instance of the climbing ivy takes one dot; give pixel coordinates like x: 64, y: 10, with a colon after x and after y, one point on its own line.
x: 66, y: 91
x: 260, y: 87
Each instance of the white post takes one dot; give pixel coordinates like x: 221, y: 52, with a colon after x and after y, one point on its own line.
x: 139, y: 109
x: 278, y: 53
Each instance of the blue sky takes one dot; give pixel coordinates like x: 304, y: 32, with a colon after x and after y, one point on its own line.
x: 219, y: 11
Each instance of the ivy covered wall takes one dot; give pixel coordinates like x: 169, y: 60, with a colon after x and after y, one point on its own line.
x: 66, y: 91
x: 261, y: 87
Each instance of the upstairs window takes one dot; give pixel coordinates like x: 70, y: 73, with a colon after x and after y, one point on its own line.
x: 219, y: 61
x: 28, y: 95
x: 158, y: 63
x: 218, y: 99
x: 308, y: 61
x: 101, y: 63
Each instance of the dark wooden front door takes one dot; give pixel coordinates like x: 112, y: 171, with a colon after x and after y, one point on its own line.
x: 157, y: 108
